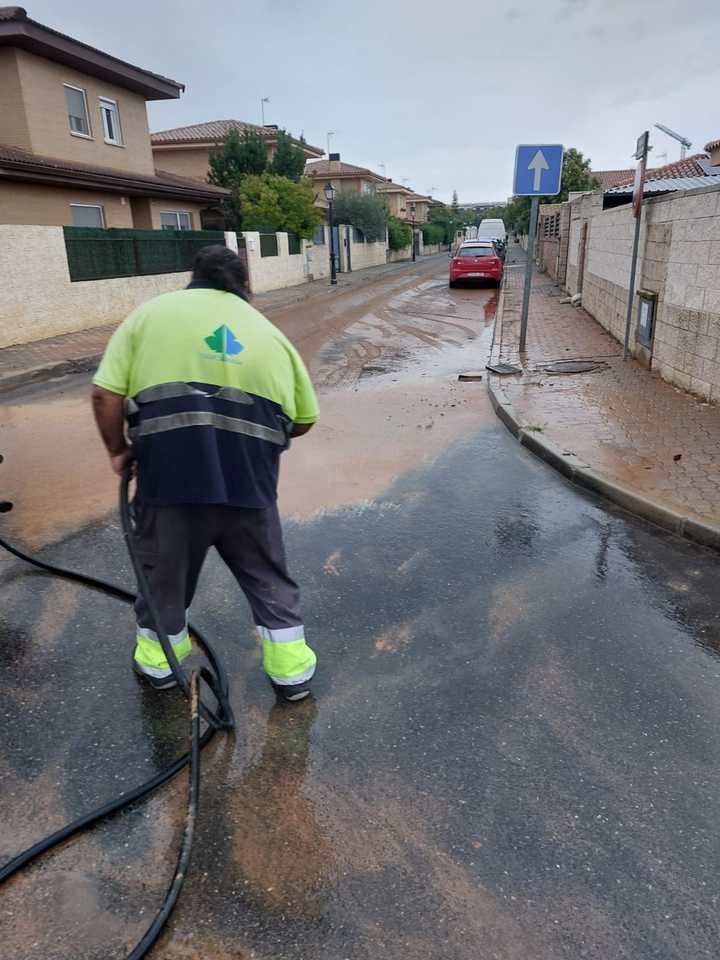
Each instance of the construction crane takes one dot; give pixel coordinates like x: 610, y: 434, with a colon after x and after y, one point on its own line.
x: 685, y: 144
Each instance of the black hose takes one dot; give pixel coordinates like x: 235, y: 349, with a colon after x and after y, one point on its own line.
x: 220, y: 718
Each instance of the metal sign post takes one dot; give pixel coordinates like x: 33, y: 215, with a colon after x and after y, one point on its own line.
x: 641, y: 152
x: 538, y: 172
x: 535, y: 203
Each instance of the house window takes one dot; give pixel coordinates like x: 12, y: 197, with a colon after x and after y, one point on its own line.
x: 78, y: 118
x: 111, y: 121
x: 87, y: 215
x: 319, y: 235
x: 175, y: 220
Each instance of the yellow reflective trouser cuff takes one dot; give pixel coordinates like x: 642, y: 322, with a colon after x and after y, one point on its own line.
x: 286, y: 657
x: 149, y: 654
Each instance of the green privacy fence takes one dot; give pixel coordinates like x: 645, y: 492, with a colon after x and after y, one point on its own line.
x: 268, y: 245
x: 98, y: 254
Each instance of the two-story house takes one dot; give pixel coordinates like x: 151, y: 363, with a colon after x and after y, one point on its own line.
x: 74, y: 141
x: 186, y: 150
x: 345, y: 177
x: 404, y: 203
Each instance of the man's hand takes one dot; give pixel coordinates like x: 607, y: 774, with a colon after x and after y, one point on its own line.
x: 118, y: 461
x: 300, y: 429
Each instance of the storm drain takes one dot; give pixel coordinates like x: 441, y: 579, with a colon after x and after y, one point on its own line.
x: 502, y: 368
x: 560, y: 367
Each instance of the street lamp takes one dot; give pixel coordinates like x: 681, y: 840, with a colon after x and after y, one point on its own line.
x: 412, y: 215
x: 330, y: 196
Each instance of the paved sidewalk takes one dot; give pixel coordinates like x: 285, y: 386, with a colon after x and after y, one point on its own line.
x: 80, y: 352
x: 621, y: 429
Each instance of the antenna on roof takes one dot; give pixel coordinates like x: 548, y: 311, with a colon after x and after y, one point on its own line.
x: 685, y: 144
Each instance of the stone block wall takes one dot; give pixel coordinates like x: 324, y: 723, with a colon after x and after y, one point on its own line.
x: 34, y: 306
x: 274, y: 273
x: 679, y: 262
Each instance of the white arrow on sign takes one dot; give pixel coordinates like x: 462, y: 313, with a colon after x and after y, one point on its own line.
x: 537, y: 165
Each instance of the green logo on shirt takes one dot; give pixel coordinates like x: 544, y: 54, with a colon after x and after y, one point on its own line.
x: 224, y: 341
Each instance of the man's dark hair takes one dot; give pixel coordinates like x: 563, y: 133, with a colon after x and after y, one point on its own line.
x: 221, y: 269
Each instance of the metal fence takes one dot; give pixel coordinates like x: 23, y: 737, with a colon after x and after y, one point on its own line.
x: 98, y: 254
x: 268, y: 245
x: 294, y: 244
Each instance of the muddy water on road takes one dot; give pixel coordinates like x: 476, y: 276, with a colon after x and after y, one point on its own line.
x: 385, y: 359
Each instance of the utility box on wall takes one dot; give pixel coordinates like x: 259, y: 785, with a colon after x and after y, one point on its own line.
x: 646, y: 318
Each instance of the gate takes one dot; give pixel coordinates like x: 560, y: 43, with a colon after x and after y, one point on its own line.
x: 348, y: 248
x: 335, y: 248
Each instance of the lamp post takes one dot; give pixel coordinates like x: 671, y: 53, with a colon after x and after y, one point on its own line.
x: 330, y: 196
x: 412, y: 215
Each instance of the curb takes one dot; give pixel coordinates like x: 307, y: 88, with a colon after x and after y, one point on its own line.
x: 49, y: 371
x: 584, y: 476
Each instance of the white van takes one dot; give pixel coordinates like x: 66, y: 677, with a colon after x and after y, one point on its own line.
x: 493, y: 229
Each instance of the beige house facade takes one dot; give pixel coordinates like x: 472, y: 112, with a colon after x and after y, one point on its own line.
x: 74, y: 142
x: 185, y: 151
x: 399, y: 200
x: 344, y: 177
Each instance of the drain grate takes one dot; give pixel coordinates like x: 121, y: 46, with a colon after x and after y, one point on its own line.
x: 560, y: 367
x: 502, y: 368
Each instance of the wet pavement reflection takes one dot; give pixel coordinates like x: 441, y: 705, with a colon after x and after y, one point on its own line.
x: 513, y: 752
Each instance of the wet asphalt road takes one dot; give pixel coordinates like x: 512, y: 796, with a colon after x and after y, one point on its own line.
x: 514, y: 750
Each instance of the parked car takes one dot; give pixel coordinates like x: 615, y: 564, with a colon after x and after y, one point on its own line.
x: 476, y: 260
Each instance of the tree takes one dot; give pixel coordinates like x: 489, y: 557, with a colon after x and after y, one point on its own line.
x: 366, y: 211
x: 289, y: 159
x: 455, y: 206
x: 451, y: 221
x: 399, y: 234
x: 576, y: 176
x: 433, y: 233
x: 238, y: 157
x: 270, y: 202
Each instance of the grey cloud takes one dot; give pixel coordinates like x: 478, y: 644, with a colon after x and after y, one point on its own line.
x: 440, y: 92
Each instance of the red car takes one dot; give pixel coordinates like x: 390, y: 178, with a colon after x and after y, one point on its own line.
x: 476, y: 260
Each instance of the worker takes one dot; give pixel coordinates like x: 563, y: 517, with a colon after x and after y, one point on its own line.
x: 204, y: 393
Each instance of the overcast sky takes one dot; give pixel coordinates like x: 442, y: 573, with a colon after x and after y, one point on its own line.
x: 441, y: 91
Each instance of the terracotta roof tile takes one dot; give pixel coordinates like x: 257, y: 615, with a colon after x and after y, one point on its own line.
x: 611, y: 178
x: 213, y: 131
x: 689, y: 167
x: 338, y: 168
x: 19, y: 161
x: 712, y: 145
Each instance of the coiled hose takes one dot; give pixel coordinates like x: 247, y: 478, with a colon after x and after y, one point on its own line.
x: 219, y: 717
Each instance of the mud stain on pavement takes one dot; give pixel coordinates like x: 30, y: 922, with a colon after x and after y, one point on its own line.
x: 57, y: 473
x: 389, y: 833
x: 55, y: 469
x: 277, y: 844
x: 367, y: 438
x: 394, y: 639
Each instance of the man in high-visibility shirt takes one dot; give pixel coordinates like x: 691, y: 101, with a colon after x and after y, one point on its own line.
x: 212, y: 392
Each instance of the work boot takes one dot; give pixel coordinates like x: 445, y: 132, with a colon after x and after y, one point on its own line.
x: 291, y: 692
x: 157, y: 683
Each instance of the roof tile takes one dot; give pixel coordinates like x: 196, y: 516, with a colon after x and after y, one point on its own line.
x: 689, y: 167
x: 338, y: 168
x: 610, y: 178
x: 20, y: 159
x: 214, y: 131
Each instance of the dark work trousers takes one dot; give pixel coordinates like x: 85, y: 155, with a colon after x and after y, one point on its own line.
x: 172, y: 543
